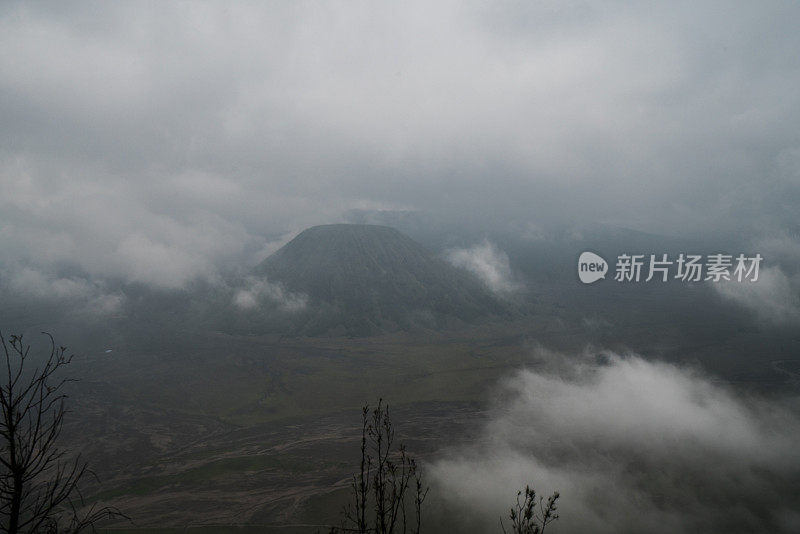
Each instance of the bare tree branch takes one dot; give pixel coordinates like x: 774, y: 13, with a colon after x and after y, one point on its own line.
x: 38, y: 482
x: 380, y: 490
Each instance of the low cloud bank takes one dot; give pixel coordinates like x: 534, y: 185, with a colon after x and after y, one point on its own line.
x: 775, y: 297
x: 633, y: 446
x: 488, y: 263
x: 260, y: 292
x: 89, y: 298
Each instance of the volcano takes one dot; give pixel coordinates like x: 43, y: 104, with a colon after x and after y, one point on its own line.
x: 368, y: 279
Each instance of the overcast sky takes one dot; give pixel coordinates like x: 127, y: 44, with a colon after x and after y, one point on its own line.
x: 161, y: 142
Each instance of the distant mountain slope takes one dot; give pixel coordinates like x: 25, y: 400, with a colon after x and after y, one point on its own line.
x: 365, y: 279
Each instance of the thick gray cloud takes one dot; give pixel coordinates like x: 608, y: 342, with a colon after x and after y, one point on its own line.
x: 632, y: 446
x: 161, y: 142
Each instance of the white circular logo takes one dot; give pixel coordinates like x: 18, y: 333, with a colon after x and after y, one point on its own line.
x: 591, y: 267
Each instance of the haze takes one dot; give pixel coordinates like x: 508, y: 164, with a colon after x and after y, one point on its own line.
x: 154, y: 156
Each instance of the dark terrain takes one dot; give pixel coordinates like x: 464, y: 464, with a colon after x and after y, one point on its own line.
x: 190, y: 420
